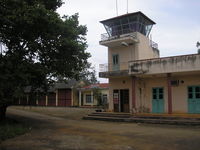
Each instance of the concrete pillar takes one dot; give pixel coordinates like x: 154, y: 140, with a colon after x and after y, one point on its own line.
x: 37, y: 96
x: 46, y: 103
x: 133, y: 94
x: 169, y: 87
x: 79, y: 97
x: 27, y: 99
x: 92, y: 98
x: 37, y: 102
x: 72, y: 97
x: 56, y: 97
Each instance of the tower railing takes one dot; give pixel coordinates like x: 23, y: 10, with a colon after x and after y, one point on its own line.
x: 106, y: 36
x: 109, y: 67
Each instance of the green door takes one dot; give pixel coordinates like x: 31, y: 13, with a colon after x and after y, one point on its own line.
x: 115, y: 65
x: 157, y: 100
x: 194, y: 99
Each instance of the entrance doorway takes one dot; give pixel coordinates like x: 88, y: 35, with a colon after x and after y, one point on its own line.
x: 157, y: 100
x: 121, y: 100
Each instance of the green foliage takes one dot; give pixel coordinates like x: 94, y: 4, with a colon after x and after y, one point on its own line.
x: 198, y: 45
x: 40, y: 46
x: 88, y: 76
x: 10, y: 128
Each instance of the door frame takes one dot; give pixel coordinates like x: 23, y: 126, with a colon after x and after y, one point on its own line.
x: 120, y: 100
x: 158, y: 99
x: 192, y: 102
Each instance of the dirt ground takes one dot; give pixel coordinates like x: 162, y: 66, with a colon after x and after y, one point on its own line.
x: 63, y: 129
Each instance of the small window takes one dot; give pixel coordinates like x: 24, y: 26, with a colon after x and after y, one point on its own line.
x: 197, y: 95
x: 190, y: 89
x: 160, y: 96
x: 160, y: 91
x: 88, y: 99
x: 190, y: 95
x: 197, y: 89
x: 154, y: 96
x: 154, y: 91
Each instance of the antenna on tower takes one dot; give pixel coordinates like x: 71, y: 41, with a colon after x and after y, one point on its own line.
x: 127, y: 6
x: 117, y: 7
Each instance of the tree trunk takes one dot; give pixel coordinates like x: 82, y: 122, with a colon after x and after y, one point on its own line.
x: 3, y: 112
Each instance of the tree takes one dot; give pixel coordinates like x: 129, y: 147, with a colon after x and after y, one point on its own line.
x: 88, y: 76
x: 40, y: 47
x: 198, y: 45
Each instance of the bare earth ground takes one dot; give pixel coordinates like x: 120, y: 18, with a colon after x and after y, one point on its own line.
x: 63, y: 129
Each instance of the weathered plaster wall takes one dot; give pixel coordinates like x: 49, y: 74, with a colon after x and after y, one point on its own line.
x: 166, y: 65
x: 144, y: 49
x: 125, y: 54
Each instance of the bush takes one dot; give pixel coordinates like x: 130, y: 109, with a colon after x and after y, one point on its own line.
x: 11, y: 128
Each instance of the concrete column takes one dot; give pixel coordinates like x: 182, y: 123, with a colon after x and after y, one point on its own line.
x: 169, y: 87
x: 133, y: 94
x: 37, y: 100
x: 27, y: 99
x: 56, y: 97
x: 79, y: 98
x: 46, y: 103
x: 72, y: 97
x: 92, y: 98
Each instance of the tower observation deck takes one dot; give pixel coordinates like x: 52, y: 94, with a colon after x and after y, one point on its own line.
x: 128, y: 23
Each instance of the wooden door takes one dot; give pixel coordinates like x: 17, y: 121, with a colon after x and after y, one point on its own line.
x: 64, y: 97
x: 124, y: 100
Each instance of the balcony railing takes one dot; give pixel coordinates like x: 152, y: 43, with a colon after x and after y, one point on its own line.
x: 122, y: 33
x: 111, y: 67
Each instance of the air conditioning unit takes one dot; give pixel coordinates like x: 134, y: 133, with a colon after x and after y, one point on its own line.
x: 174, y: 82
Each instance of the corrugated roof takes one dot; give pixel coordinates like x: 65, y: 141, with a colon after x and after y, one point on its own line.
x: 99, y: 85
x: 59, y: 85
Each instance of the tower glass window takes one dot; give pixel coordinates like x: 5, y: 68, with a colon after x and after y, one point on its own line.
x: 133, y: 22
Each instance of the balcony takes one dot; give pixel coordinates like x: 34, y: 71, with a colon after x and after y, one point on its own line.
x: 116, y: 40
x: 110, y: 70
x: 175, y: 64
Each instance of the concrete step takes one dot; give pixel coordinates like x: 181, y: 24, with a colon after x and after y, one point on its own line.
x: 168, y: 118
x: 153, y: 116
x: 111, y: 115
x: 144, y: 120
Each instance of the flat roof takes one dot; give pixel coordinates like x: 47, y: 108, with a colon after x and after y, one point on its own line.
x: 129, y: 14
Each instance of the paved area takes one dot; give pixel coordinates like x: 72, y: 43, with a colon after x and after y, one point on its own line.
x: 63, y: 129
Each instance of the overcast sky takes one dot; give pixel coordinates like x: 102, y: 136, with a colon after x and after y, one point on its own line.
x: 176, y: 31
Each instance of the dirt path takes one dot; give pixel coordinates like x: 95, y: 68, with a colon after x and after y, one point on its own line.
x: 51, y: 132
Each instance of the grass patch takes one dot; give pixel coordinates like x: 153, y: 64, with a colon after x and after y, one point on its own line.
x: 11, y: 128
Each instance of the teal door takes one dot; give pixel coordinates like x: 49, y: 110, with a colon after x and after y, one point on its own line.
x: 157, y: 100
x: 194, y: 99
x: 115, y: 65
